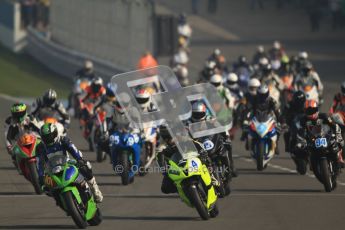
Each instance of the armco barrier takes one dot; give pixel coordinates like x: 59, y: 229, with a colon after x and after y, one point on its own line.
x: 62, y: 60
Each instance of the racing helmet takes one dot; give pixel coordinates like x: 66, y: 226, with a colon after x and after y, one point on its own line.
x: 49, y: 97
x: 198, y: 111
x: 49, y: 133
x: 311, y: 109
x: 18, y: 112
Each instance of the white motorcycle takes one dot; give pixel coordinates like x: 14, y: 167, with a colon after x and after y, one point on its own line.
x: 262, y: 138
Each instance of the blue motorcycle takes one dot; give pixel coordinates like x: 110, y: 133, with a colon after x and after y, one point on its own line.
x: 125, y: 154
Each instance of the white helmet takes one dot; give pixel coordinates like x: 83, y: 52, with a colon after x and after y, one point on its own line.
x: 181, y: 57
x: 216, y: 52
x: 143, y: 97
x: 276, y: 45
x: 88, y: 64
x: 253, y: 85
x: 260, y: 49
x: 183, y: 72
x: 232, y: 78
x: 263, y: 61
x: 216, y: 80
x: 303, y: 55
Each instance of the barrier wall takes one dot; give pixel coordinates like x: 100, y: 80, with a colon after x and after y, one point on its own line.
x: 11, y: 35
x: 117, y: 31
x: 62, y: 60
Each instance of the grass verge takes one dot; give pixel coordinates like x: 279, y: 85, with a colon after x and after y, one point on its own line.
x: 23, y: 76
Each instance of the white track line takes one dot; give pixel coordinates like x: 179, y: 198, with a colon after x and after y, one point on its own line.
x: 284, y: 169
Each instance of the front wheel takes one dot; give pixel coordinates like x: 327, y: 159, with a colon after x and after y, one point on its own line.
x: 326, y: 175
x: 96, y: 219
x: 123, y: 161
x: 198, y: 201
x: 260, y: 156
x: 34, y: 177
x: 74, y: 210
x: 101, y: 155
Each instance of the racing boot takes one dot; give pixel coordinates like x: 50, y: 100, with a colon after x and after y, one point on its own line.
x: 95, y: 190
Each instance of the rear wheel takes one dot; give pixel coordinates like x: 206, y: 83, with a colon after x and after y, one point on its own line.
x: 74, y: 210
x: 198, y: 201
x: 34, y: 177
x: 260, y: 156
x: 96, y: 219
x: 326, y: 175
x: 123, y: 161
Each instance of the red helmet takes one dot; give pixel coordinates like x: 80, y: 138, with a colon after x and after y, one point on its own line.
x: 147, y: 61
x: 311, y: 109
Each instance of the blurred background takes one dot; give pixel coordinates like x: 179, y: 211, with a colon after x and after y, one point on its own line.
x: 44, y: 42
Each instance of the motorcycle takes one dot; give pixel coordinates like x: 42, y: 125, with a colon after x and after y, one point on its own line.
x: 310, y: 90
x: 287, y: 93
x: 125, y: 154
x: 78, y: 90
x: 72, y: 193
x: 25, y: 155
x: 149, y: 148
x: 219, y: 160
x: 99, y: 131
x: 193, y: 183
x: 263, y: 138
x: 324, y: 163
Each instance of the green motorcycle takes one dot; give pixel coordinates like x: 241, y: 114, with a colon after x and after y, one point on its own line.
x: 71, y: 191
x: 193, y: 183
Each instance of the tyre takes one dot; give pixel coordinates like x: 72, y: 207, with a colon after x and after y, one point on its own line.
x: 143, y: 159
x: 260, y: 155
x: 326, y: 175
x: 301, y: 166
x: 73, y: 210
x: 34, y: 177
x: 315, y: 165
x: 214, y: 212
x: 96, y: 219
x: 123, y: 160
x: 220, y: 189
x: 198, y: 201
x: 101, y: 155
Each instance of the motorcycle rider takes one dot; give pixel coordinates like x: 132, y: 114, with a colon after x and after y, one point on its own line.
x: 48, y: 105
x: 264, y: 102
x: 217, y: 81
x: 246, y: 105
x: 17, y: 124
x: 260, y: 53
x: 314, y: 118
x: 292, y: 113
x: 233, y: 86
x: 147, y: 61
x: 55, y: 144
x: 220, y: 60
x: 87, y: 71
x: 201, y: 113
x: 209, y: 70
x: 276, y: 52
x: 339, y: 100
x: 95, y: 92
x: 143, y: 97
x: 308, y: 74
x: 184, y: 30
x: 121, y: 123
x: 269, y: 77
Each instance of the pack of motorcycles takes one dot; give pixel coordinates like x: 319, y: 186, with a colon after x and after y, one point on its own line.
x: 193, y: 179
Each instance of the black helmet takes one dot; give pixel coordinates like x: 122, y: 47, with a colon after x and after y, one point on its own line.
x: 298, y: 100
x: 266, y: 69
x: 49, y: 97
x: 263, y: 93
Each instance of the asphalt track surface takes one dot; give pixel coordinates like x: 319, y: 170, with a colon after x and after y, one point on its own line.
x: 276, y: 198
